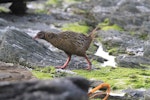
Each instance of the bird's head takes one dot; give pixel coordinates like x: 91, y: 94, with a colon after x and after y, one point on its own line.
x: 40, y: 35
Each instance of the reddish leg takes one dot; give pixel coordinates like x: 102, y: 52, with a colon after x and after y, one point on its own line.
x: 66, y: 63
x: 89, y: 63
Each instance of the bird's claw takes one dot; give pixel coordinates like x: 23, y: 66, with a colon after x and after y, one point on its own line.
x: 88, y: 68
x: 60, y: 67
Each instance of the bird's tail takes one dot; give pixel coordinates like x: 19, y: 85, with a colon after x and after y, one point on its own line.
x: 92, y: 34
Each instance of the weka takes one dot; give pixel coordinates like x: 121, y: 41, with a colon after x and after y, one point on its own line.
x: 71, y: 43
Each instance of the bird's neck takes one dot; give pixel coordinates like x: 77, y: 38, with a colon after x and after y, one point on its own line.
x: 52, y: 38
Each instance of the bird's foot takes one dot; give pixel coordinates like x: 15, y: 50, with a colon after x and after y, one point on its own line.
x: 60, y: 67
x: 88, y: 68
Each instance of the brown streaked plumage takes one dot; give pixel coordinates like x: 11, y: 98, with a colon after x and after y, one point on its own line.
x: 71, y: 43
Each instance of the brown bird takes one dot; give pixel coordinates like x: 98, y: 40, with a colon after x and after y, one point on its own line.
x: 71, y: 43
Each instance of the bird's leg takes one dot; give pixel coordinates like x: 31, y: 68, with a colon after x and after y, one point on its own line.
x: 98, y: 88
x: 66, y: 63
x: 89, y: 63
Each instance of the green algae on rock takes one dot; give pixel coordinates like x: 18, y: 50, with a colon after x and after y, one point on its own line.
x: 75, y: 27
x: 107, y: 26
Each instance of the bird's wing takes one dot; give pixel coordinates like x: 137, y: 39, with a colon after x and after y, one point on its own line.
x: 67, y: 43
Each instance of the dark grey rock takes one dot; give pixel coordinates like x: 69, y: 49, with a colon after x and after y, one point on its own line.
x: 12, y: 72
x: 123, y: 41
x: 94, y: 83
x: 147, y: 95
x: 57, y: 89
x: 124, y: 13
x: 147, y: 51
x: 132, y: 61
x: 3, y: 22
x: 134, y: 94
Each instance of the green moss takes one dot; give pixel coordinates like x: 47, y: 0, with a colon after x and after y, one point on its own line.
x: 41, y: 11
x: 95, y: 63
x: 105, y: 23
x: 75, y: 27
x: 113, y: 51
x: 59, y: 2
x: 44, y: 73
x: 3, y: 9
x: 115, y: 27
x: 119, y: 78
x: 52, y: 2
x: 107, y: 26
x: 71, y: 1
x: 79, y: 11
x: 49, y: 73
x: 143, y: 36
x: 132, y: 33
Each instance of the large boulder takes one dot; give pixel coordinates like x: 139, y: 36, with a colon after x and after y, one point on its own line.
x: 57, y: 89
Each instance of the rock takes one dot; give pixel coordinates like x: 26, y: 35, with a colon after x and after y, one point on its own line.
x: 129, y: 7
x: 125, y: 13
x: 94, y: 83
x: 132, y: 61
x: 11, y: 72
x: 131, y: 51
x: 134, y: 94
x: 147, y: 95
x: 57, y: 89
x: 111, y: 38
x: 123, y: 41
x: 147, y: 51
x: 19, y: 47
x: 3, y: 22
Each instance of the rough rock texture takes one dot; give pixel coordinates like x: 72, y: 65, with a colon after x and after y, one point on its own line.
x: 12, y: 72
x: 19, y: 47
x: 131, y: 51
x: 57, y: 89
x: 133, y: 61
x: 147, y: 95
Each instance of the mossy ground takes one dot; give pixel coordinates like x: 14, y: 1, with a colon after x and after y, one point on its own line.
x: 44, y: 73
x: 119, y: 78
